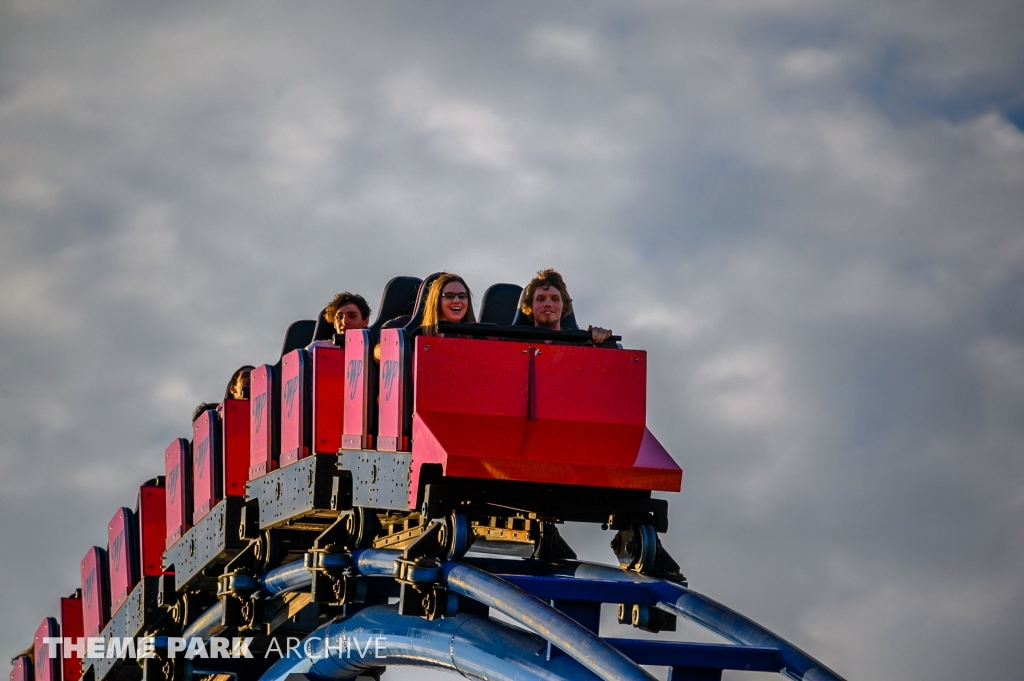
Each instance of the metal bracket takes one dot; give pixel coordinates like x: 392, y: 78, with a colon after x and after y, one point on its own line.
x: 239, y: 590
x: 161, y: 668
x: 300, y: 496
x: 646, y: 617
x: 379, y: 479
x: 249, y: 524
x: 213, y: 542
x: 139, y: 611
x: 334, y: 581
x: 418, y: 571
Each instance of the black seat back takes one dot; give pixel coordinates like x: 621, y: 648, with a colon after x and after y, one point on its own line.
x: 500, y: 304
x: 568, y: 322
x: 298, y: 335
x: 398, y: 299
x: 324, y: 329
x: 421, y: 302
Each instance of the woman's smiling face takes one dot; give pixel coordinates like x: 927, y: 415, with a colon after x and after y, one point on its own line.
x: 454, y: 302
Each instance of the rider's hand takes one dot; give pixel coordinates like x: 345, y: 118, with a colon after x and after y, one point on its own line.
x: 598, y: 334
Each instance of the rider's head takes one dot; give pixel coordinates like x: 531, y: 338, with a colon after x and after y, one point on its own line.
x: 546, y: 300
x: 348, y: 311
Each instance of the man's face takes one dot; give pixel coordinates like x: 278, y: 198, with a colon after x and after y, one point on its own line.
x: 547, y: 307
x: 349, y: 317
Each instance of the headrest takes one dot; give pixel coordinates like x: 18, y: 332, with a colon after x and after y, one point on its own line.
x: 298, y: 335
x: 421, y: 302
x: 568, y: 322
x: 398, y: 299
x: 499, y: 304
x: 324, y: 329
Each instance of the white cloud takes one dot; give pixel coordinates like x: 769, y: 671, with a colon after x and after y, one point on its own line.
x: 462, y: 130
x: 809, y: 65
x: 572, y: 45
x: 304, y: 135
x: 745, y: 388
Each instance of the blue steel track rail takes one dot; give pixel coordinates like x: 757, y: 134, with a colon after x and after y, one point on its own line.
x: 524, y: 590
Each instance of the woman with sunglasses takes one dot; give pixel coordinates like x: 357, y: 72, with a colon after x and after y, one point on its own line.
x: 448, y: 300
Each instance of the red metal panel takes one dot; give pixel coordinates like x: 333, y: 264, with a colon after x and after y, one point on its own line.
x: 46, y: 668
x: 178, y: 469
x: 328, y: 398
x: 594, y: 385
x: 234, y: 418
x: 207, y: 486
x: 95, y: 592
x: 524, y: 451
x: 391, y: 435
x: 262, y: 457
x: 151, y: 515
x: 71, y: 626
x: 472, y: 376
x: 22, y: 670
x: 359, y: 380
x: 536, y: 413
x: 294, y: 398
x: 122, y: 557
x: 497, y: 381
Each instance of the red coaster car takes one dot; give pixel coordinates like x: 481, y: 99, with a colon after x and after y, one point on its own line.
x: 496, y: 432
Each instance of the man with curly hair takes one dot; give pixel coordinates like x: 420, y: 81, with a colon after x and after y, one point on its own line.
x: 348, y: 311
x: 546, y: 302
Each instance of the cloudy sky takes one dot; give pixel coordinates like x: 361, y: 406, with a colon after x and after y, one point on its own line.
x: 809, y: 213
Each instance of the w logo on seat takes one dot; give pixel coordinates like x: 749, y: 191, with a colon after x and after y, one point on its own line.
x: 172, y: 484
x: 201, y: 451
x: 258, y: 405
x: 90, y: 582
x: 355, y: 370
x: 389, y: 373
x: 291, y: 387
x: 115, y: 550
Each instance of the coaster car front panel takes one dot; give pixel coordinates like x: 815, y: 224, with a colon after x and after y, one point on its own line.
x: 535, y: 413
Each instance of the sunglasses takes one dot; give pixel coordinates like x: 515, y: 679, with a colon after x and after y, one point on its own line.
x: 455, y: 296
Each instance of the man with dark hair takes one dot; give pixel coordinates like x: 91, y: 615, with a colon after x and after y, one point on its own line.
x: 546, y: 302
x: 348, y: 311
x: 238, y: 386
x: 203, y: 406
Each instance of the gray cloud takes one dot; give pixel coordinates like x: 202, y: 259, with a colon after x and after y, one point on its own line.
x: 808, y: 214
